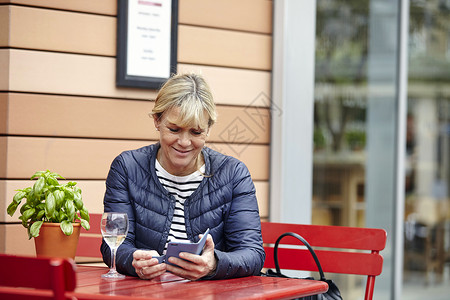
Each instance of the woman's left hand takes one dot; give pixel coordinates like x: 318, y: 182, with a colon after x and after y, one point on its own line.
x: 193, y: 267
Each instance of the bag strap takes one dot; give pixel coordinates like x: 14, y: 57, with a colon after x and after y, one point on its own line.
x: 300, y: 238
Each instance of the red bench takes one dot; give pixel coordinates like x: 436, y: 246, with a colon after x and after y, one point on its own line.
x: 340, y: 255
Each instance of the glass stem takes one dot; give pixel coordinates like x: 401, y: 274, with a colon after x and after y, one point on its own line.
x: 113, y: 260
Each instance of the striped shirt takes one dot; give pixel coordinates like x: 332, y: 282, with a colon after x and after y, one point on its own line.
x: 181, y: 187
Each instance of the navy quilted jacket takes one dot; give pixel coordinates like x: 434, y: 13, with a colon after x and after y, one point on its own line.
x: 225, y: 202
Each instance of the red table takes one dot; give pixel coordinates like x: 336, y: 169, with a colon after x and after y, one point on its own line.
x: 91, y: 286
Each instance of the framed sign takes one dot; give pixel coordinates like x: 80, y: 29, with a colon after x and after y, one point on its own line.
x: 147, y: 33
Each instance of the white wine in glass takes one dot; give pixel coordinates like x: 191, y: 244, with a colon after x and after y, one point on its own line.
x: 114, y: 226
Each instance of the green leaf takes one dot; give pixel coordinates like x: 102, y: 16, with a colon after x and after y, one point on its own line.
x: 38, y: 186
x: 69, y: 193
x: 30, y: 195
x: 85, y: 224
x: 66, y: 227
x: 56, y: 175
x: 24, y: 208
x: 52, y: 181
x: 24, y: 221
x: 50, y: 204
x: 40, y: 214
x: 28, y: 214
x: 12, y: 208
x: 59, y: 198
x: 77, y: 200
x: 70, y: 209
x: 19, y: 196
x: 58, y: 216
x: 37, y: 174
x: 84, y: 214
x: 35, y: 228
x: 63, y: 216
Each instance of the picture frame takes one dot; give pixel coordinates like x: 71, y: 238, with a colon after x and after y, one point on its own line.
x: 147, y: 33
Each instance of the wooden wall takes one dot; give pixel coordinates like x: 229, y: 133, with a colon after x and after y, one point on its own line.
x: 60, y: 108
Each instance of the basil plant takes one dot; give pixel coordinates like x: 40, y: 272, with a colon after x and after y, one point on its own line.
x: 49, y: 201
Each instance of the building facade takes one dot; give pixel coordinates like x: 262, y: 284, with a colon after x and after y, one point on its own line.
x: 340, y: 109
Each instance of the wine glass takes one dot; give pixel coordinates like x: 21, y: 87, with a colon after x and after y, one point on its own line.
x: 114, y: 226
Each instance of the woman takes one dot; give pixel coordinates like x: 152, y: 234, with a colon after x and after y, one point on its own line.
x: 177, y: 188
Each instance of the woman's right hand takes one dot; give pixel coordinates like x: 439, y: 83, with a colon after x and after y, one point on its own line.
x: 146, y: 266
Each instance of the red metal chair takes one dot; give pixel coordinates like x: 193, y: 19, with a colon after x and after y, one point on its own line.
x: 344, y: 239
x: 36, y: 278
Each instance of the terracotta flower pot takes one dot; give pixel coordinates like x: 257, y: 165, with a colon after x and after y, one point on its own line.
x: 53, y: 242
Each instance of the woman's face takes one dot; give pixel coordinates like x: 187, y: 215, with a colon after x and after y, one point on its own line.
x: 180, y: 146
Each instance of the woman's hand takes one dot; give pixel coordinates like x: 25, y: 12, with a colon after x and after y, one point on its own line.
x: 193, y: 266
x: 145, y: 266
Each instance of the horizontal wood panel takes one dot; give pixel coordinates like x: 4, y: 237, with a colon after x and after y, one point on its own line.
x: 107, y: 7
x: 4, y: 113
x: 119, y: 119
x: 63, y: 31
x: 262, y: 194
x: 4, y: 70
x: 256, y: 157
x: 91, y: 159
x: 69, y: 116
x: 93, y: 192
x: 62, y: 73
x: 249, y: 125
x: 3, y: 156
x: 248, y: 15
x: 235, y: 86
x: 4, y: 26
x: 72, y: 74
x: 219, y: 47
x: 14, y: 240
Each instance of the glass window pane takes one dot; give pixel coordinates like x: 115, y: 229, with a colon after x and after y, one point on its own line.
x: 427, y: 168
x: 355, y: 123
x: 342, y: 30
x: 355, y: 132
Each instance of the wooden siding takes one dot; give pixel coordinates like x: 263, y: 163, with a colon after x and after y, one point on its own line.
x: 73, y: 74
x: 61, y: 110
x: 62, y: 31
x: 14, y: 240
x: 248, y: 15
x: 107, y: 7
x: 208, y: 46
x: 68, y: 116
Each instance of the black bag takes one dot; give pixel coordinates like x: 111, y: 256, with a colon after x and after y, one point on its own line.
x: 333, y: 292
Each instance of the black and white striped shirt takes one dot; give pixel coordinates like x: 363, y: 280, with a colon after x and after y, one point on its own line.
x: 181, y: 187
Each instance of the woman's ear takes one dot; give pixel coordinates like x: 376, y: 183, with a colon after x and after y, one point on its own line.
x: 156, y: 122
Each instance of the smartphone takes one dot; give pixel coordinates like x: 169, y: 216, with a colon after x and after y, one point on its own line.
x: 174, y: 248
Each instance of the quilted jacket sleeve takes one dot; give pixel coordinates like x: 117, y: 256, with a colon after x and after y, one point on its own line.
x: 117, y: 199
x: 242, y: 252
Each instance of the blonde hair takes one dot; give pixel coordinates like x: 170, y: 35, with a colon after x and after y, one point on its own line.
x: 192, y: 95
